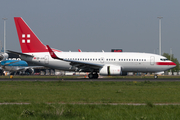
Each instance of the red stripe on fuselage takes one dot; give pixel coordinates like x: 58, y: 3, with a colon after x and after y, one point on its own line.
x: 165, y: 63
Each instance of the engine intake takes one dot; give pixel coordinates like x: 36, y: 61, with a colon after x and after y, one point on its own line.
x: 29, y: 71
x: 3, y: 56
x: 110, y: 70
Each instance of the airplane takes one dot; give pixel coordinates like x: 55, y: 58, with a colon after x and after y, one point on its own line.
x: 16, y: 67
x: 103, y: 63
x: 3, y: 56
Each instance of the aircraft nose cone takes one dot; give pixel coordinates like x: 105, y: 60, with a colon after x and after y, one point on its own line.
x: 173, y: 63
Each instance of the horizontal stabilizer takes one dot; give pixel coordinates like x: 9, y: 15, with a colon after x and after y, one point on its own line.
x: 18, y: 53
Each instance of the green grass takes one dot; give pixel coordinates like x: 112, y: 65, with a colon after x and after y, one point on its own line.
x: 46, y: 100
x: 89, y: 92
x: 88, y: 112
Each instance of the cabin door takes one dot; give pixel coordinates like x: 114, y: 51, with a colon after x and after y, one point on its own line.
x: 152, y: 60
x: 46, y: 59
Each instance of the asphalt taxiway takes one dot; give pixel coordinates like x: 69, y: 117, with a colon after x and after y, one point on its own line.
x: 86, y: 79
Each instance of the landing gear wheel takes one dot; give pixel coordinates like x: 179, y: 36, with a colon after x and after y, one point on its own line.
x: 155, y: 77
x: 96, y: 76
x: 93, y: 76
x: 90, y: 76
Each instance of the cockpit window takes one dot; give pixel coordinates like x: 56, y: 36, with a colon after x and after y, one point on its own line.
x: 163, y: 59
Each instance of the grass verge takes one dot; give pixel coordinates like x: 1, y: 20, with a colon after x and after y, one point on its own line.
x: 88, y: 112
x: 89, y: 92
x: 54, y: 92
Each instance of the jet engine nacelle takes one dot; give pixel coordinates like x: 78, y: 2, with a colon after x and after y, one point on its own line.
x: 110, y: 70
x: 29, y: 71
x: 3, y: 56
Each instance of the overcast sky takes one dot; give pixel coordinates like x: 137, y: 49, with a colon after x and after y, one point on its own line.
x: 96, y: 25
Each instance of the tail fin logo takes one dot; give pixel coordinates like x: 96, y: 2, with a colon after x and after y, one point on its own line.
x: 26, y: 39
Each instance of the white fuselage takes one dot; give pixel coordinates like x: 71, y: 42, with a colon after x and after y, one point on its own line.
x: 129, y: 61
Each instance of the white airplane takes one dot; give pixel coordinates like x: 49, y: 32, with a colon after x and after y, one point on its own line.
x: 103, y: 63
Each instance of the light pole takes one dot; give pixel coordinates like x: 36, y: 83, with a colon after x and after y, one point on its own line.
x: 4, y: 34
x: 160, y: 34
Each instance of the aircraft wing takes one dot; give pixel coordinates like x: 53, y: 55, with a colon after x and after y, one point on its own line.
x: 29, y: 67
x: 79, y: 64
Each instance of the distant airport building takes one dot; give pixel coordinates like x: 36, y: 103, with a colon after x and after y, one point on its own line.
x: 116, y: 50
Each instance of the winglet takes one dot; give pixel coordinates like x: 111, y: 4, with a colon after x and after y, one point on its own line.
x: 79, y: 50
x: 53, y: 55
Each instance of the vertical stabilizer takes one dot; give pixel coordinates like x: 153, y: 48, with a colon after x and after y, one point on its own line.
x: 29, y: 42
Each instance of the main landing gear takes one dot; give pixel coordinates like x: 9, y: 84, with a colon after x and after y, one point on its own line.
x: 155, y: 77
x: 93, y: 76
